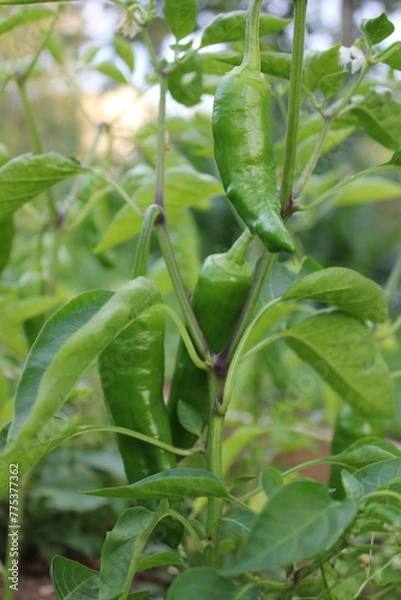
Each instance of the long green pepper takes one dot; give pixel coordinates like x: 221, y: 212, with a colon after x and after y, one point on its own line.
x: 132, y: 376
x: 220, y: 293
x: 243, y: 144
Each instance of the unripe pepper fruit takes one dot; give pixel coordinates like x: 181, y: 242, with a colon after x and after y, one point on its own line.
x: 243, y: 144
x: 220, y: 293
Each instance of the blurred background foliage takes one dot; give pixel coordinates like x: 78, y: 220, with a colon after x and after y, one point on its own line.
x: 93, y: 97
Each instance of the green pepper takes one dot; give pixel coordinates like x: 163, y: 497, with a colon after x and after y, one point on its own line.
x: 243, y: 145
x: 220, y: 293
x: 132, y: 376
x: 351, y: 425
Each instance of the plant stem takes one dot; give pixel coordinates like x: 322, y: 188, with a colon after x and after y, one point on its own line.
x: 294, y: 101
x: 313, y: 160
x: 179, y: 287
x: 142, y: 249
x: 251, y: 58
x: 161, y: 137
x: 345, y: 183
x: 186, y: 338
x: 265, y: 263
x: 134, y: 434
x: 214, y: 464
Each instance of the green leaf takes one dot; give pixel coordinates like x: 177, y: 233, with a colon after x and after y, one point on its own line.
x: 202, y: 583
x: 300, y: 521
x: 184, y: 188
x: 277, y: 64
x: 396, y: 158
x: 344, y: 288
x: 271, y: 481
x: 190, y: 418
x: 379, y: 114
x: 24, y: 177
x: 70, y: 359
x: 181, y: 16
x: 344, y: 353
x: 235, y: 444
x: 109, y: 69
x: 31, y: 450
x: 364, y: 191
x: 120, y: 552
x: 73, y: 581
x: 161, y: 559
x: 171, y: 484
x: 124, y: 50
x: 230, y: 27
x: 378, y: 29
x: 24, y: 16
x: 394, y: 61
x: 185, y: 82
x: 56, y: 332
x: 379, y: 475
x: 241, y: 522
x: 320, y: 65
x: 353, y: 489
x: 7, y: 235
x: 366, y: 451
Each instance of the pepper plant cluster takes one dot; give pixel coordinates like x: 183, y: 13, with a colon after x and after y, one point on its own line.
x: 271, y: 534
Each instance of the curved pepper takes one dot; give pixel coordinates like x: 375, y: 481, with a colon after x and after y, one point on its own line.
x: 221, y: 290
x: 243, y: 145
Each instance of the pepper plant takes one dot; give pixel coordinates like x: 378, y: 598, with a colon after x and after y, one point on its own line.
x: 270, y: 533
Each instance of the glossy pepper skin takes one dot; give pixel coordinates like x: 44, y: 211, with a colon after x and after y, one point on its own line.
x: 243, y: 149
x: 351, y: 426
x: 132, y: 376
x: 220, y: 293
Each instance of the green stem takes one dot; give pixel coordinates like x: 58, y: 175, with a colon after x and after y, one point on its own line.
x: 142, y: 249
x: 186, y: 338
x: 263, y: 268
x: 150, y: 47
x: 352, y: 89
x: 386, y: 53
x: 161, y: 143
x: 394, y: 278
x: 134, y: 434
x: 294, y: 101
x: 30, y: 117
x: 237, y: 252
x: 318, y: 562
x: 214, y: 464
x: 396, y: 326
x: 179, y: 287
x: 77, y: 182
x: 251, y: 58
x: 120, y: 191
x: 313, y: 160
x: 191, y: 530
x: 42, y: 44
x: 345, y: 183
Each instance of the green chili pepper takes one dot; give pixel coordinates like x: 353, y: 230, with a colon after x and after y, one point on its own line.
x: 351, y: 426
x: 220, y: 293
x: 243, y: 144
x: 132, y: 376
